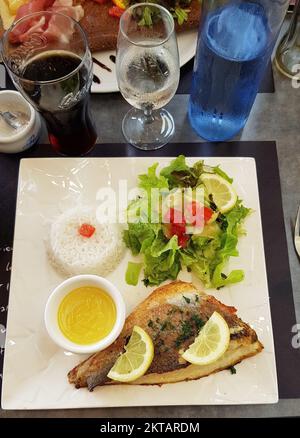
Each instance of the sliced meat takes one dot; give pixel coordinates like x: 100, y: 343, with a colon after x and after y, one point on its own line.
x: 22, y: 31
x: 57, y: 24
x: 55, y: 28
x: 66, y: 7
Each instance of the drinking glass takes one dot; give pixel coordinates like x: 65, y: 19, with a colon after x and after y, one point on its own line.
x: 287, y: 57
x: 52, y: 68
x: 148, y: 73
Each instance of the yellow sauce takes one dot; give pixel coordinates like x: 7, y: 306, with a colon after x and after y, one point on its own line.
x: 86, y: 315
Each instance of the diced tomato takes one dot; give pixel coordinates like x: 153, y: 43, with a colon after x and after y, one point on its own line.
x: 175, y: 225
x: 207, y: 214
x: 195, y: 209
x: 101, y: 2
x: 177, y: 229
x: 183, y: 240
x: 120, y: 3
x: 175, y: 216
x: 115, y: 11
x: 175, y: 221
x: 86, y: 230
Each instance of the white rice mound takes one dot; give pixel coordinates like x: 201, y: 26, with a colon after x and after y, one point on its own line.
x: 72, y: 254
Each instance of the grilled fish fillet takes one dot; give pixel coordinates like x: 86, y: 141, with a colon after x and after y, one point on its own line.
x: 171, y: 315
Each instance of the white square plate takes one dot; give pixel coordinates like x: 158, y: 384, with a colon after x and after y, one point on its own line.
x: 35, y: 369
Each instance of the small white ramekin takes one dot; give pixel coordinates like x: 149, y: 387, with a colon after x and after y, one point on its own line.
x: 54, y: 300
x: 26, y: 137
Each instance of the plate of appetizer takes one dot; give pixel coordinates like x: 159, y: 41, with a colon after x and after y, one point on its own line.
x: 137, y: 283
x: 100, y: 20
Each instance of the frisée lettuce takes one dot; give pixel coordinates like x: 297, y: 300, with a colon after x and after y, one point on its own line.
x: 167, y: 246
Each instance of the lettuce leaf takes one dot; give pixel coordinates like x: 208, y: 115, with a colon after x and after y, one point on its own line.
x: 161, y: 260
x: 139, y: 237
x: 179, y: 174
x: 202, y: 270
x: 236, y: 216
x: 219, y: 279
x: 223, y: 174
x: 177, y: 165
x: 161, y: 256
x: 161, y: 245
x: 207, y: 257
x: 133, y: 273
x: 229, y: 241
x: 159, y: 269
x: 150, y: 180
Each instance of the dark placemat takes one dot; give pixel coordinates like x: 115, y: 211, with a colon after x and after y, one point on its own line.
x: 186, y: 72
x: 279, y: 280
x: 266, y: 86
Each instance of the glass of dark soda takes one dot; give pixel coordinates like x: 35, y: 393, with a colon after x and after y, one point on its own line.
x: 49, y: 61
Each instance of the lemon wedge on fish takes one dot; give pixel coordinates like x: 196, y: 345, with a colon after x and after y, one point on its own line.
x: 136, y: 359
x: 211, y: 343
x: 221, y: 190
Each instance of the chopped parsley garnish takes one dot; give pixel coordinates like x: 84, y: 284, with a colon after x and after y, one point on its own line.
x: 186, y: 333
x: 151, y: 324
x: 160, y: 343
x: 232, y: 370
x: 187, y: 300
x: 163, y: 326
x: 167, y: 325
x: 189, y: 328
x: 146, y: 282
x: 198, y: 321
x: 172, y: 311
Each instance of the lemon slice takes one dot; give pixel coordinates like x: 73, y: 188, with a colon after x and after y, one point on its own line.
x: 221, y: 190
x: 137, y: 358
x: 211, y: 343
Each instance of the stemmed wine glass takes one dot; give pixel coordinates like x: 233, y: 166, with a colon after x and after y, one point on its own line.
x: 148, y: 73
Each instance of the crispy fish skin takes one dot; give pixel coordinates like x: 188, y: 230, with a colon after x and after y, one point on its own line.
x: 172, y: 315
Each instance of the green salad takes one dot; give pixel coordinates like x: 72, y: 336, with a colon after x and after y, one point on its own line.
x: 200, y: 237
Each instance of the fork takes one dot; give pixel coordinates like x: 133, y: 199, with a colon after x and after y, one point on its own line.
x: 297, y: 232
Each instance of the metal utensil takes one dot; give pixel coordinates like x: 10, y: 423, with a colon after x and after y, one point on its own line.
x: 297, y: 232
x: 15, y: 120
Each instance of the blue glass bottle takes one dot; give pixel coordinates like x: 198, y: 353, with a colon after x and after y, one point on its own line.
x: 235, y: 42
